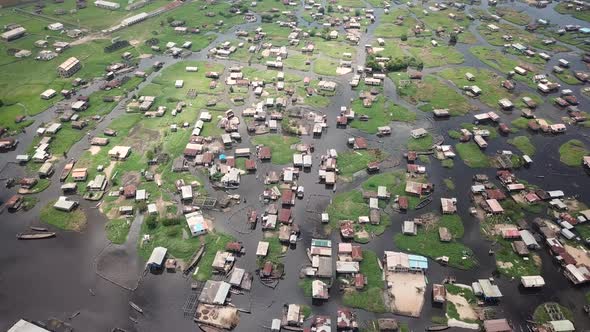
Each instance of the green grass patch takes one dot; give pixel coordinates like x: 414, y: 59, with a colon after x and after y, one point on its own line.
x: 117, y: 230
x: 427, y: 242
x: 449, y: 183
x: 511, y: 264
x: 572, y: 152
x: 380, y: 113
x: 472, y: 155
x: 541, y: 316
x: 523, y: 143
x: 448, y: 163
x: 371, y: 298
x: 420, y: 144
x: 351, y: 162
x: 71, y: 221
x: 325, y: 66
x: 431, y: 93
x: 280, y: 147
x: 434, y: 56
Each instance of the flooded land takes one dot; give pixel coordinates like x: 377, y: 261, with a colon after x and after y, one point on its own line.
x: 313, y: 165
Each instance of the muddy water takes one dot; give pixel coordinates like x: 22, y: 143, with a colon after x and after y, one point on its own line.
x: 57, y: 277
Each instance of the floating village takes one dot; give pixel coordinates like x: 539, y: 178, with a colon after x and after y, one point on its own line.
x: 282, y: 165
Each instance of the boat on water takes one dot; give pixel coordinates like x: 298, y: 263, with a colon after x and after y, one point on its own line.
x: 136, y: 307
x: 437, y: 328
x: 35, y: 236
x: 39, y: 229
x: 67, y: 169
x: 423, y: 203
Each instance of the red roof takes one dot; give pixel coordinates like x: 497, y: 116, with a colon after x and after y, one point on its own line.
x: 285, y: 216
x: 359, y: 281
x: 207, y: 157
x: 267, y: 269
x: 496, y: 194
x: 403, y: 202
x: 287, y: 196
x: 233, y: 246
x: 230, y: 161
x: 129, y: 191
x: 13, y: 200
x: 412, y: 155
x: 357, y: 253
x: 264, y: 153
x: 250, y: 165
x: 360, y: 143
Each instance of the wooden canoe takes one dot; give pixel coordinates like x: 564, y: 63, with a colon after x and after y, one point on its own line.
x: 66, y: 171
x: 35, y: 236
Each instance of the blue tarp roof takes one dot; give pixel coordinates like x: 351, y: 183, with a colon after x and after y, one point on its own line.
x: 418, y: 262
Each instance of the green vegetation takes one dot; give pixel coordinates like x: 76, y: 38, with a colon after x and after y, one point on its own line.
x: 449, y: 183
x: 581, y: 15
x: 387, y: 28
x: 572, y: 152
x: 567, y: 77
x: 395, y: 182
x: 523, y: 143
x: 351, y: 205
x: 420, y: 144
x: 427, y: 242
x: 520, y: 123
x: 324, y: 66
x: 176, y: 238
x: 466, y: 293
x: 448, y: 163
x: 512, y: 15
x: 472, y: 155
x: 542, y: 317
x: 380, y: 113
x: 71, y: 221
x: 371, y: 298
x: 519, y: 35
x: 434, y: 56
x: 487, y: 81
x: 511, y: 264
x: 351, y: 162
x: 280, y: 146
x: 439, y: 320
x: 432, y: 93
x: 117, y: 230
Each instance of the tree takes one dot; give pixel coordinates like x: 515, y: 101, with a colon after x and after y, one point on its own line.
x: 170, y: 19
x: 453, y: 38
x: 404, y: 37
x: 151, y: 221
x: 357, y: 12
x: 321, y: 10
x: 330, y: 8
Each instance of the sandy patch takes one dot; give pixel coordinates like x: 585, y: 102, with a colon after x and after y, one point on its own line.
x: 343, y: 70
x: 265, y: 53
x: 94, y: 150
x: 580, y: 255
x: 109, y: 170
x: 145, y: 56
x: 406, y: 291
x: 464, y: 309
x: 457, y: 323
x: 87, y: 39
x: 504, y: 265
x: 134, y: 42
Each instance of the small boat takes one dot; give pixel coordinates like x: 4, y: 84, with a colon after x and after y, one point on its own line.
x: 424, y: 202
x: 437, y: 328
x: 39, y: 229
x: 66, y: 171
x: 35, y: 236
x: 136, y: 307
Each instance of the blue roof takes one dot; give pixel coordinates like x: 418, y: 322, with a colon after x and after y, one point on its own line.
x: 585, y: 30
x: 222, y: 157
x: 199, y: 227
x: 418, y: 262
